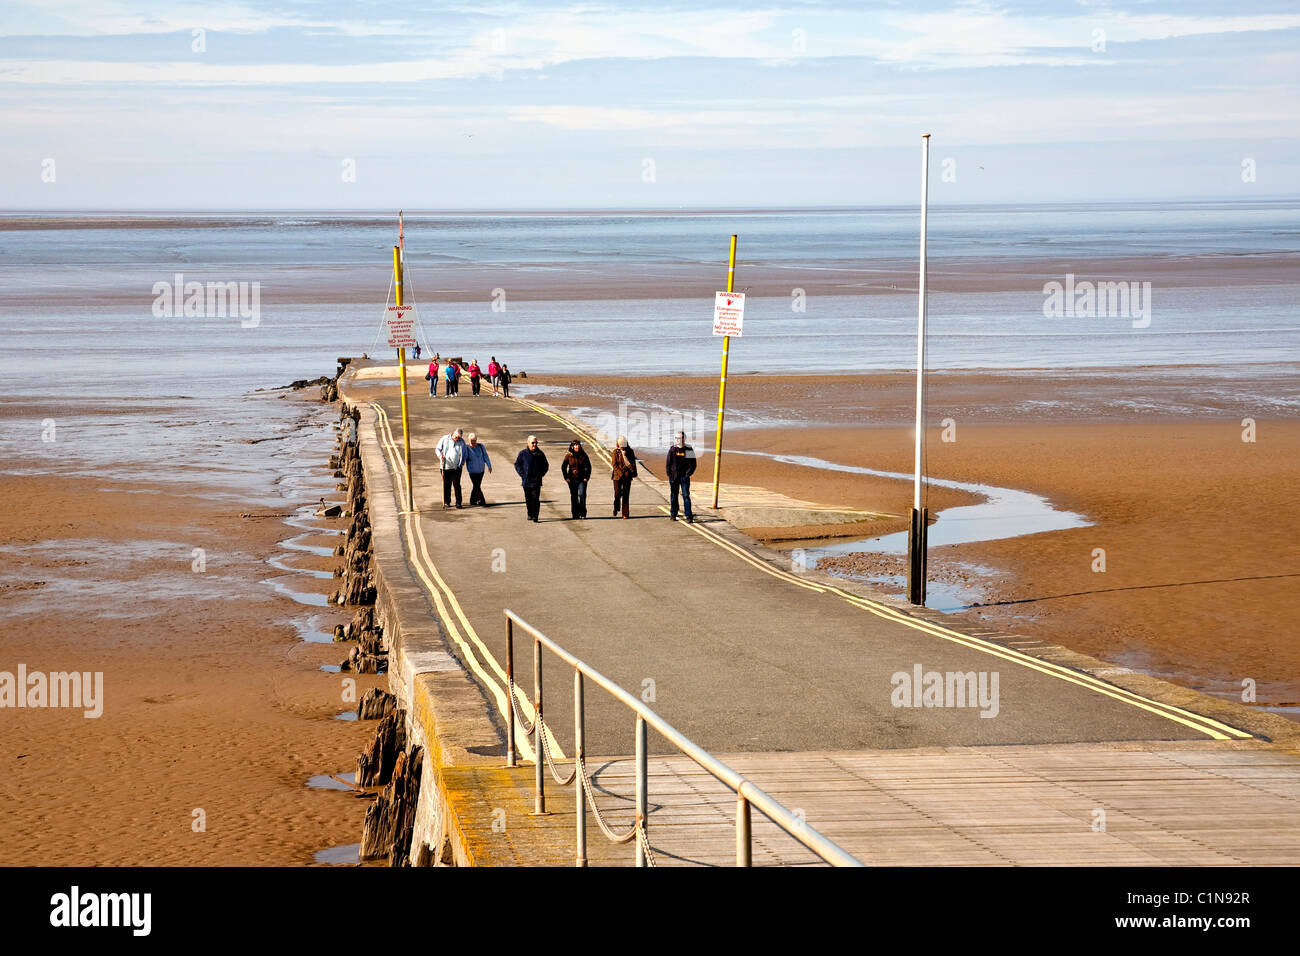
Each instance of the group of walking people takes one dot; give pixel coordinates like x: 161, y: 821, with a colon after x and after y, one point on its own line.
x: 449, y: 373
x: 457, y: 455
x: 531, y: 465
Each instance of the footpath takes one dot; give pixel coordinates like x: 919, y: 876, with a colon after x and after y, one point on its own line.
x: 823, y: 693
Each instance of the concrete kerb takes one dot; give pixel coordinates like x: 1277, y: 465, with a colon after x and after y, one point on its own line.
x: 1273, y: 729
x: 465, y: 789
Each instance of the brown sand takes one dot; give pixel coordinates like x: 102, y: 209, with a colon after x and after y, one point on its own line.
x: 210, y: 701
x: 1199, y: 528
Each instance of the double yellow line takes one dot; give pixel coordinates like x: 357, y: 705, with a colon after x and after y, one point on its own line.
x: 474, y: 652
x: 1212, y: 728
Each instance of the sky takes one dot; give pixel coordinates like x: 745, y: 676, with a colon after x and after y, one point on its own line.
x: 352, y: 104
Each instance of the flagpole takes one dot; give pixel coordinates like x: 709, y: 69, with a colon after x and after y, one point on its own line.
x: 916, y: 539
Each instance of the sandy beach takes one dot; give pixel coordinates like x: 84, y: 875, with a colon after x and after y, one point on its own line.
x: 1198, y: 527
x: 215, y: 712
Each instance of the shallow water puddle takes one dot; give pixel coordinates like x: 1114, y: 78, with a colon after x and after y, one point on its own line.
x: 1006, y: 513
x: 277, y: 562
x: 337, y: 781
x: 347, y: 855
x: 302, y: 597
x: 311, y: 631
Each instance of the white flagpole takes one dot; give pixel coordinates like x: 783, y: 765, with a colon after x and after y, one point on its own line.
x: 916, y: 539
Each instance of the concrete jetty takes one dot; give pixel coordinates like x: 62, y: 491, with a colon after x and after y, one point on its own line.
x: 904, y: 736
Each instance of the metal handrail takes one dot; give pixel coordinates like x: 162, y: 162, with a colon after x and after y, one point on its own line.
x: 747, y: 794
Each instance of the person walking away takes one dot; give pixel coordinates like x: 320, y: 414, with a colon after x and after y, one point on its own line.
x: 476, y: 459
x: 679, y: 468
x: 417, y: 351
x: 432, y: 376
x: 576, y: 469
x: 475, y: 373
x: 451, y: 457
x: 494, y: 374
x: 449, y: 374
x: 531, y: 465
x: 623, y: 473
x: 505, y: 381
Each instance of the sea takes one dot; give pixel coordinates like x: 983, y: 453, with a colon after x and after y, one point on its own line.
x: 79, y: 304
x: 90, y: 316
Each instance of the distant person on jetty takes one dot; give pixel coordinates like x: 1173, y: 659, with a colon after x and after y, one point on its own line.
x: 623, y: 473
x: 475, y: 374
x: 417, y: 351
x: 531, y: 466
x: 679, y: 468
x: 494, y: 374
x: 576, y: 469
x: 451, y: 457
x: 476, y: 459
x: 505, y: 380
x: 432, y: 376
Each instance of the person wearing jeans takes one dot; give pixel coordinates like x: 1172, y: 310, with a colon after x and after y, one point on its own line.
x: 679, y: 468
x: 476, y: 459
x: 576, y: 469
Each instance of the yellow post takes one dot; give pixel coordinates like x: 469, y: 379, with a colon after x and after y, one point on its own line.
x: 401, y: 364
x: 722, y: 386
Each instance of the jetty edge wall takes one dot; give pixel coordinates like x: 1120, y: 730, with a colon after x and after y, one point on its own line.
x: 471, y: 808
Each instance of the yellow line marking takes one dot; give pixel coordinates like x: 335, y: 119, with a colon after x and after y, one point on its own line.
x: 1206, y: 725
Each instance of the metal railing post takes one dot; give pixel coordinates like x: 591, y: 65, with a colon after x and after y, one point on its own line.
x: 642, y: 785
x: 748, y: 795
x: 579, y: 746
x: 744, y: 851
x: 539, y: 802
x: 510, y: 684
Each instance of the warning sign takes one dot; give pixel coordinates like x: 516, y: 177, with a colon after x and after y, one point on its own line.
x: 399, y: 320
x: 728, y: 313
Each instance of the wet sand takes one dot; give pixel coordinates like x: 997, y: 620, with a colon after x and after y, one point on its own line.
x: 1199, y: 528
x: 212, y: 701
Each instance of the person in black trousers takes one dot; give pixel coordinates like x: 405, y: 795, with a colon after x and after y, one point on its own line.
x: 576, y: 469
x: 531, y: 465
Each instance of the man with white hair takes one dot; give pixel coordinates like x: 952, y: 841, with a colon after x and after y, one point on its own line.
x: 531, y: 465
x: 451, y: 456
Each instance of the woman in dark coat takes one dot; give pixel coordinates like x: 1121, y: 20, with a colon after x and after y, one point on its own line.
x: 623, y: 473
x: 576, y: 469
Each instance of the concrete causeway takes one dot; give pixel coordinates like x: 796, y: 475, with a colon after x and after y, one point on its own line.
x: 821, y: 691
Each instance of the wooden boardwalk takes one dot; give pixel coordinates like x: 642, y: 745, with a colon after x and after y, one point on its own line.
x: 1071, y: 805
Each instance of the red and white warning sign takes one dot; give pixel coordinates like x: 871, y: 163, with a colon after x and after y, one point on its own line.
x: 728, y: 313
x: 399, y: 321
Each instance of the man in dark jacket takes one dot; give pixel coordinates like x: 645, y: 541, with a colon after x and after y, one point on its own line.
x: 679, y: 468
x: 531, y: 466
